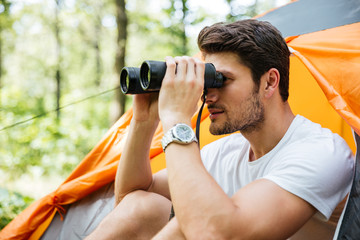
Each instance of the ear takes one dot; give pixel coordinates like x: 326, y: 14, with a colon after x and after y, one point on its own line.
x: 272, y: 79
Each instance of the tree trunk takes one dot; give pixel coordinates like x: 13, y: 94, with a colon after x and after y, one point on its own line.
x: 1, y: 58
x: 5, y: 23
x: 121, y: 19
x: 98, y: 64
x: 185, y: 11
x: 58, y: 67
x: 1, y: 65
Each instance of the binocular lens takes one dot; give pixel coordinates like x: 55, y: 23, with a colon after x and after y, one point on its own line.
x: 145, y: 75
x: 129, y: 80
x: 124, y: 81
x: 152, y: 74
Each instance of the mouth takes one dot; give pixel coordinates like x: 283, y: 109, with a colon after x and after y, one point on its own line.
x: 215, y: 113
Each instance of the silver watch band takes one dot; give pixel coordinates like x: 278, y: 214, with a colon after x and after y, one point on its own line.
x: 172, y: 136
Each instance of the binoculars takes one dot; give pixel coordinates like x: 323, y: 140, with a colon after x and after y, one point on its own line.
x: 149, y: 76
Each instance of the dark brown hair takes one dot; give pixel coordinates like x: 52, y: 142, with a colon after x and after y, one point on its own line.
x: 258, y: 44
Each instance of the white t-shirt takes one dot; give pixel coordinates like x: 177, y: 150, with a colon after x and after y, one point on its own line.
x: 309, y: 161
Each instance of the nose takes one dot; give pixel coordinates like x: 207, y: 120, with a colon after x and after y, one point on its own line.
x: 212, y: 95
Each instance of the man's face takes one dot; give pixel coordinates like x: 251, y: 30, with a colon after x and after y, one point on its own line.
x: 237, y: 105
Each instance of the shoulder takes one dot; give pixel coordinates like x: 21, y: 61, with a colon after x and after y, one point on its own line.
x: 315, y: 164
x: 313, y: 147
x: 304, y: 128
x: 311, y: 140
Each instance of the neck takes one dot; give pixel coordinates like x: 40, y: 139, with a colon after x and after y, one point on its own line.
x: 264, y: 138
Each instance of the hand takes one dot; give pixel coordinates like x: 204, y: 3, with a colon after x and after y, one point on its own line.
x: 145, y: 107
x: 180, y: 91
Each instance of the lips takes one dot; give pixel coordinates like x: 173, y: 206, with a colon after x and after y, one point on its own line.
x: 215, y: 112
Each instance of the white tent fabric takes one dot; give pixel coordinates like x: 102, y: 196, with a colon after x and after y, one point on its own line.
x: 82, y: 217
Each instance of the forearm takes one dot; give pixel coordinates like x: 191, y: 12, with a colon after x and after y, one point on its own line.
x: 203, y: 209
x: 134, y: 171
x: 196, y: 196
x: 200, y: 204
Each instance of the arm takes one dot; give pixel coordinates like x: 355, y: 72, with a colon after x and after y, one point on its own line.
x: 134, y: 172
x: 261, y: 210
x: 170, y: 231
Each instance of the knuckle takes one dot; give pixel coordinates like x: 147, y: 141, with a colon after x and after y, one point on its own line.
x: 171, y: 64
x: 200, y: 63
x: 181, y: 60
x: 191, y: 60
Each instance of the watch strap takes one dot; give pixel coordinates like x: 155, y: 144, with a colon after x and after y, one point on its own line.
x: 169, y: 137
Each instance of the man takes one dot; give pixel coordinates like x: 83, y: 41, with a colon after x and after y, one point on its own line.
x: 273, y: 180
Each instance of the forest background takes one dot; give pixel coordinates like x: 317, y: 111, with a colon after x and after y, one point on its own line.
x: 59, y: 77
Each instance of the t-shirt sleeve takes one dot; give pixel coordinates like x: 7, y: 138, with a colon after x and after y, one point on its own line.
x: 320, y: 172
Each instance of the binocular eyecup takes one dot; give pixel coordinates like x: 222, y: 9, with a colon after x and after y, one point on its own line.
x: 149, y: 76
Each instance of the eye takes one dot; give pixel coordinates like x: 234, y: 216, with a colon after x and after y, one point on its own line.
x: 227, y: 78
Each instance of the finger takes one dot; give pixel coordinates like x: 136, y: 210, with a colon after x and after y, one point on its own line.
x: 170, y: 69
x: 181, y: 68
x: 190, y: 75
x: 200, y: 70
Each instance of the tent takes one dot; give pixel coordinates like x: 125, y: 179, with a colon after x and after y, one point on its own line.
x: 324, y: 38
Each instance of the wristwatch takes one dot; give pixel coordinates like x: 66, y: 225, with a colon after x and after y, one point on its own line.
x: 180, y: 133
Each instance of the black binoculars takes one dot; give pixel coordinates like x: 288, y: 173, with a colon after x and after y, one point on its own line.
x: 149, y: 76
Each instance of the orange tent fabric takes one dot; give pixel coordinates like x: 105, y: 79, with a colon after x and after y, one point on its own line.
x: 331, y: 57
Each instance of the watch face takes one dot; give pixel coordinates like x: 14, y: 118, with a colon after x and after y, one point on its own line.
x: 184, y: 132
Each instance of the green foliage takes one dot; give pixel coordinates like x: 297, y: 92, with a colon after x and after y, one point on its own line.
x: 162, y: 34
x: 11, y: 204
x: 46, y: 146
